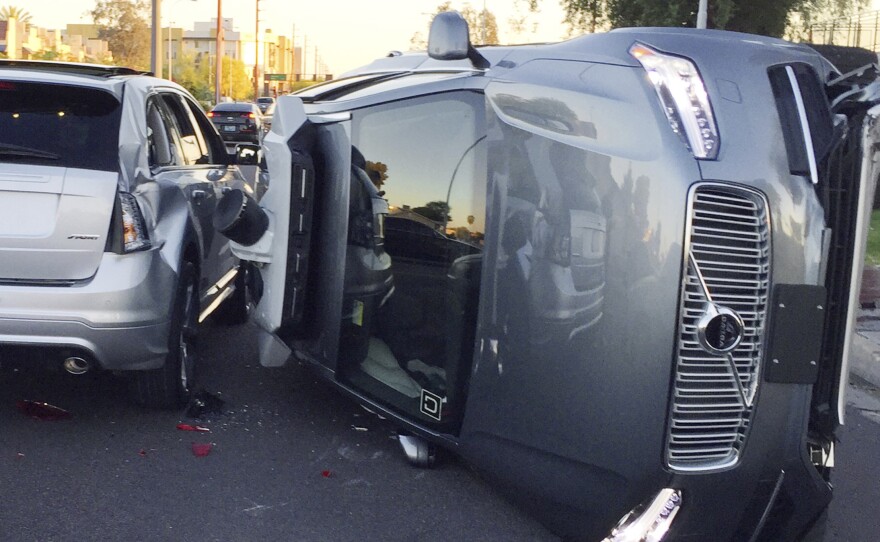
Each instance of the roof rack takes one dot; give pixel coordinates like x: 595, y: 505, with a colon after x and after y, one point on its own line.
x: 98, y: 70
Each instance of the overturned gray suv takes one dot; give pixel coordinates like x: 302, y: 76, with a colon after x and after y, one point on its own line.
x: 108, y: 183
x: 617, y: 274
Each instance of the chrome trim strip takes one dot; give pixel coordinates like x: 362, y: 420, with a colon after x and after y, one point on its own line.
x: 805, y: 126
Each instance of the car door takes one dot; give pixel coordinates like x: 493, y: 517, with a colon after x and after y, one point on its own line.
x: 298, y: 271
x: 204, y: 176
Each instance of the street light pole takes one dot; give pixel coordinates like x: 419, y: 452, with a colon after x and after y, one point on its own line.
x: 219, y: 60
x: 170, y: 70
x: 702, y: 13
x: 156, y: 40
x: 257, y: 54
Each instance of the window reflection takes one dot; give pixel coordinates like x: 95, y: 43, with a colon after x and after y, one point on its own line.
x: 408, y: 328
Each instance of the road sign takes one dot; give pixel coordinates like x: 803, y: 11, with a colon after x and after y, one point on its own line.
x: 275, y: 77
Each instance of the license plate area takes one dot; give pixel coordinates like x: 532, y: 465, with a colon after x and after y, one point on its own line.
x: 229, y: 128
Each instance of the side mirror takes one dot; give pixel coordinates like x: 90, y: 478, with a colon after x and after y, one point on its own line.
x: 239, y: 218
x: 449, y: 39
x: 247, y: 154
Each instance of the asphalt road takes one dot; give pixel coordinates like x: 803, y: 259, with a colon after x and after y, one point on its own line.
x: 291, y: 460
x: 113, y: 471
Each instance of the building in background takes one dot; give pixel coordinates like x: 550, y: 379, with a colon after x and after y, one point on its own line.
x: 77, y: 42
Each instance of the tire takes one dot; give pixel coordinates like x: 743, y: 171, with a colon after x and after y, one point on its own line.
x: 170, y: 386
x: 237, y: 307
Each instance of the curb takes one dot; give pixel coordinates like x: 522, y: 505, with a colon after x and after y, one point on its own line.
x: 864, y: 357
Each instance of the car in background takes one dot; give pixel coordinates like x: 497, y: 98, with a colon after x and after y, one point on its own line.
x: 108, y: 182
x: 264, y: 102
x: 268, y: 114
x: 238, y: 122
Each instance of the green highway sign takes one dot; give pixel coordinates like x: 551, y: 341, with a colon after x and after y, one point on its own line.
x: 275, y: 77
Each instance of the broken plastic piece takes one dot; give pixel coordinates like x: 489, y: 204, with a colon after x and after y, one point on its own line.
x: 201, y: 449
x: 326, y: 473
x: 204, y: 403
x: 188, y: 427
x: 142, y: 453
x: 42, y: 411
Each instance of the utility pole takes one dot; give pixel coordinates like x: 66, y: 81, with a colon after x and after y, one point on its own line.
x: 170, y: 70
x: 315, y: 78
x: 156, y: 39
x: 702, y: 13
x: 305, y: 55
x: 257, y: 55
x: 218, y: 68
x: 483, y: 30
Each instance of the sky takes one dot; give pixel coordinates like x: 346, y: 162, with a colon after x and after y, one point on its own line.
x: 347, y: 33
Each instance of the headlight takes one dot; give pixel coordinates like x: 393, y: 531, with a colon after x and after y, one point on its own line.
x: 648, y: 522
x: 684, y: 99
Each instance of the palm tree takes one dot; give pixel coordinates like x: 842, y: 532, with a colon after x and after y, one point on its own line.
x: 14, y: 12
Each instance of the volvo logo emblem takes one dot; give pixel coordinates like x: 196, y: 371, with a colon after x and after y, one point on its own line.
x: 720, y: 329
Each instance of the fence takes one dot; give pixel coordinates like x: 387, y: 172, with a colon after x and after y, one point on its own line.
x: 861, y: 30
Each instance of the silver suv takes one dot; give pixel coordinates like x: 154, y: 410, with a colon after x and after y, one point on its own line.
x: 108, y: 183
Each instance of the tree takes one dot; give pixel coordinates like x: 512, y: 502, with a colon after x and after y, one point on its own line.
x: 378, y: 173
x: 438, y: 211
x: 236, y: 83
x: 13, y: 12
x: 589, y: 15
x: 194, y: 74
x: 482, y: 25
x: 752, y: 16
x: 124, y: 25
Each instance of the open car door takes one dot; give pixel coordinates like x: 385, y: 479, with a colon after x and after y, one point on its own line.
x: 277, y: 235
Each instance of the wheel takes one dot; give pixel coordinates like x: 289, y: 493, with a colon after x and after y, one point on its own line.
x: 170, y: 385
x: 238, y: 306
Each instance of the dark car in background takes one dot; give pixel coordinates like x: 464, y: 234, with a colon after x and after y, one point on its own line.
x: 264, y: 102
x: 647, y: 337
x: 238, y: 122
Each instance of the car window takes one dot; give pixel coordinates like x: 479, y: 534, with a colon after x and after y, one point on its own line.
x: 429, y: 178
x: 189, y: 138
x: 158, y: 138
x: 59, y: 125
x: 215, y: 148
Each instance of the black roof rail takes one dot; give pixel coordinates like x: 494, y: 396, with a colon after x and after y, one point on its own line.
x: 75, y: 68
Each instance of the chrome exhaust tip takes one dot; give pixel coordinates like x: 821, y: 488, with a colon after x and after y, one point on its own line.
x: 76, y: 365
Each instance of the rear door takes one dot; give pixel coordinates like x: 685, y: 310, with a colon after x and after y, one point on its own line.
x: 204, y: 176
x: 59, y: 167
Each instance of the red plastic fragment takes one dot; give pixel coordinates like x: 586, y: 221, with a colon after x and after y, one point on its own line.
x: 201, y: 450
x: 188, y: 427
x: 142, y: 453
x: 42, y: 411
x: 326, y: 473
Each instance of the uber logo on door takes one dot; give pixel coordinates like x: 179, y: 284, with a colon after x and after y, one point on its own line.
x: 431, y: 404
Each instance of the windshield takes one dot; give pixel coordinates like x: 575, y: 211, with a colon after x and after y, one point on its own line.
x: 59, y: 125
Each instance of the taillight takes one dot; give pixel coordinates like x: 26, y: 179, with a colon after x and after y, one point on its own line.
x: 210, y: 114
x: 248, y: 115
x: 134, y: 229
